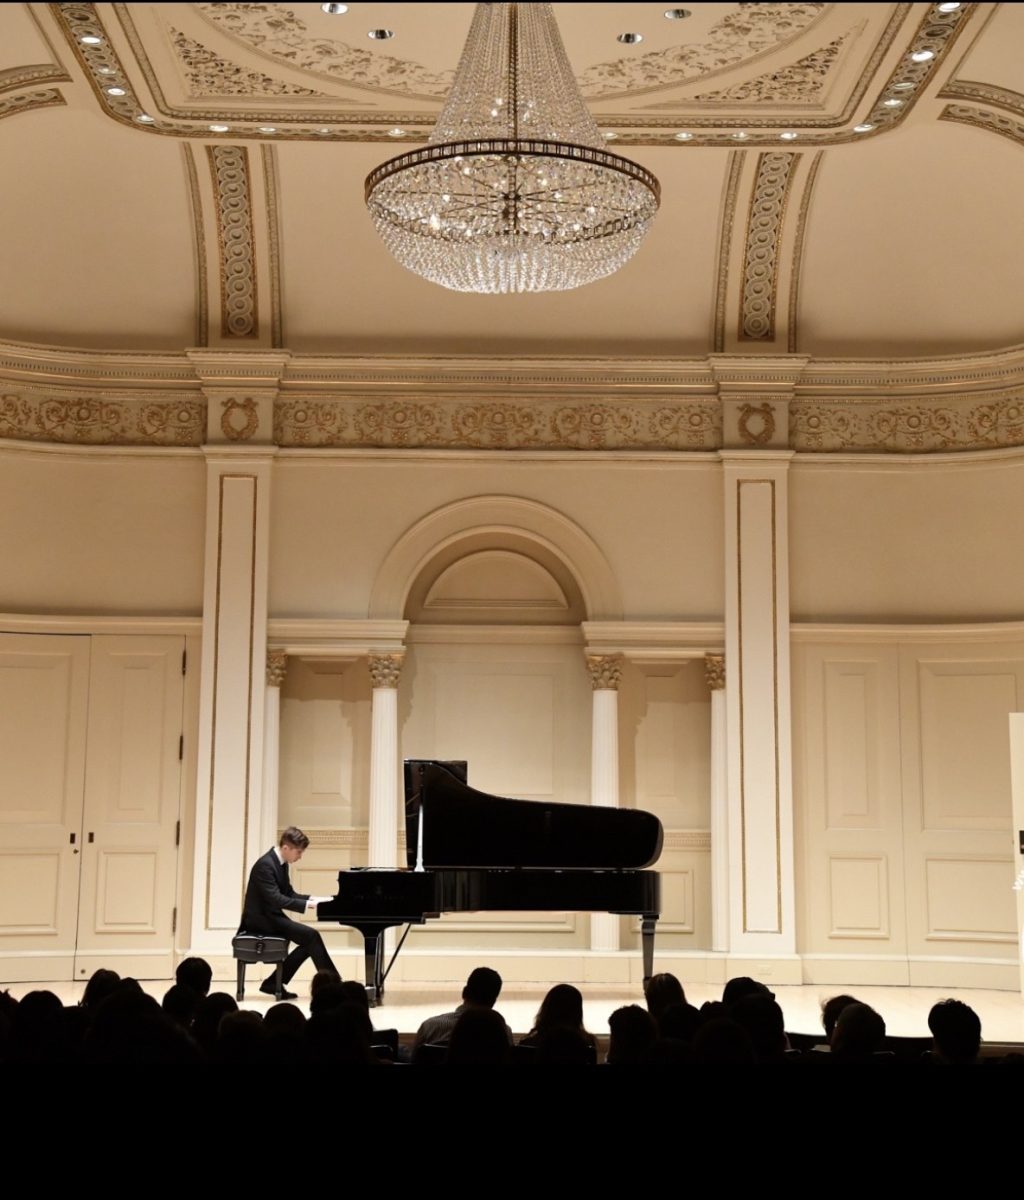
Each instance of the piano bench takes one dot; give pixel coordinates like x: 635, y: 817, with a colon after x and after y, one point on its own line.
x: 259, y: 948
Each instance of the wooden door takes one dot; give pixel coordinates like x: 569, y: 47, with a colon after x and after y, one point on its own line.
x: 44, y: 682
x: 132, y: 796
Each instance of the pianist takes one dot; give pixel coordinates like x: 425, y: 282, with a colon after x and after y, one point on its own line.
x: 268, y: 894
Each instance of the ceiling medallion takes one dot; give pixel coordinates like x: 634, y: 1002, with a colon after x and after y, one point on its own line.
x: 514, y: 191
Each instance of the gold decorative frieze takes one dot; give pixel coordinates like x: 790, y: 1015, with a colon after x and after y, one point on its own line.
x: 272, y: 190
x: 385, y: 669
x: 764, y: 231
x: 725, y: 228
x: 100, y: 421
x: 229, y: 166
x: 277, y: 667
x: 23, y: 102
x: 499, y: 425
x: 198, y: 246
x: 910, y: 427
x: 605, y: 671
x: 986, y: 93
x: 714, y: 671
x: 986, y: 118
x: 798, y: 248
x: 687, y: 839
x: 16, y: 79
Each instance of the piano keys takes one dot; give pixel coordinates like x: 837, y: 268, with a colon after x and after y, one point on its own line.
x: 469, y: 851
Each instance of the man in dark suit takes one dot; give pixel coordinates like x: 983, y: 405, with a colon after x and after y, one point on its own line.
x: 268, y: 894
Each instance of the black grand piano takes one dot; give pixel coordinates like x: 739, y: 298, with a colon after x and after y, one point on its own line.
x: 468, y: 851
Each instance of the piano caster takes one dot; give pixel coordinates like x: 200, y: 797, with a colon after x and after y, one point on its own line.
x: 371, y: 996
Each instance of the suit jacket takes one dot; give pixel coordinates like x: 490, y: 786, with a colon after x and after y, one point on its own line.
x: 267, y: 895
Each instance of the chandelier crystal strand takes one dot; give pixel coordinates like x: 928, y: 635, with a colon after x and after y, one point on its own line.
x: 514, y: 191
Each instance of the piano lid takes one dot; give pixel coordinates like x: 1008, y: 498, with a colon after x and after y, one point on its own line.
x: 463, y: 827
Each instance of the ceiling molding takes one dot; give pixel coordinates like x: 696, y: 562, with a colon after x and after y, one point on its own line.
x: 23, y: 102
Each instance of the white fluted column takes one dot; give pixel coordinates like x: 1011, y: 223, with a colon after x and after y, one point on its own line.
x: 714, y: 674
x: 277, y: 667
x: 605, y: 673
x: 384, y: 774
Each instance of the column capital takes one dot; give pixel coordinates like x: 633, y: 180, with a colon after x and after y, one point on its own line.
x: 605, y: 671
x: 277, y: 667
x: 714, y: 671
x: 385, y: 669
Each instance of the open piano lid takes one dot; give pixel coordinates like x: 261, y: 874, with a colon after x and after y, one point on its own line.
x: 466, y: 828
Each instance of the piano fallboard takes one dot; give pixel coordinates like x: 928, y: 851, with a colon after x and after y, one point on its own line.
x: 396, y: 897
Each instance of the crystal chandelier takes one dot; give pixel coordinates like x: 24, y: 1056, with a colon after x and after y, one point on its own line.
x: 514, y: 191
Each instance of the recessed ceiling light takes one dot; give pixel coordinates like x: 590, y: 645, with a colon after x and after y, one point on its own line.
x: 788, y: 135
x: 219, y: 128
x: 334, y: 10
x: 951, y: 7
x: 105, y: 71
x: 145, y: 119
x: 682, y: 136
x: 866, y: 127
x: 922, y: 55
x: 268, y: 129
x: 892, y: 102
x: 396, y: 132
x: 630, y: 39
x: 116, y: 91
x: 381, y: 35
x: 739, y: 135
x: 610, y: 135
x: 91, y: 39
x: 904, y: 86
x: 323, y: 129
x: 677, y: 14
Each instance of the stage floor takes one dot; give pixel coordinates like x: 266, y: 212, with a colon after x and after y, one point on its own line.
x: 904, y: 1009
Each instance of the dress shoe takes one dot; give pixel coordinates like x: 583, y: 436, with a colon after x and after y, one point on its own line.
x: 267, y: 988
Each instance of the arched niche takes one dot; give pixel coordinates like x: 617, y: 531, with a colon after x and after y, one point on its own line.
x: 476, y: 544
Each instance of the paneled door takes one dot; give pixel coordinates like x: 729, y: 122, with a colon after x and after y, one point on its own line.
x: 958, y: 840
x: 44, y: 692
x: 132, y: 796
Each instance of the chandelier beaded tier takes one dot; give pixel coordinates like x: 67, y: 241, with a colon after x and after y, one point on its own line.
x: 514, y: 191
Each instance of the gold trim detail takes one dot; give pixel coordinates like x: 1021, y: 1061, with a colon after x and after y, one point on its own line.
x: 277, y: 667
x: 23, y: 102
x: 385, y: 669
x: 12, y: 78
x: 198, y: 246
x: 714, y: 671
x: 752, y: 415
x: 605, y: 671
x: 98, y: 421
x: 502, y: 425
x: 272, y: 190
x: 984, y: 118
x: 732, y: 187
x: 987, y: 93
x: 764, y: 234
x: 249, y: 413
x: 229, y: 166
x: 798, y: 247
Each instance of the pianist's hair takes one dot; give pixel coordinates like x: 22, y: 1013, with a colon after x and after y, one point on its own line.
x: 294, y: 837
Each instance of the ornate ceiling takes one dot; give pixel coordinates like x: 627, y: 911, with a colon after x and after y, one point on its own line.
x: 128, y: 224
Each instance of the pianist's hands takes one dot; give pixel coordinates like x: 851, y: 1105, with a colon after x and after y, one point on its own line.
x: 313, y: 901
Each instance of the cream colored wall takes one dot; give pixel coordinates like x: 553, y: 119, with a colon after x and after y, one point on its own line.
x: 99, y: 532
x: 334, y: 519
x: 904, y: 847
x: 907, y: 542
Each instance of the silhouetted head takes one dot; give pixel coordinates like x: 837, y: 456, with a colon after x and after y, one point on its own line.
x: 483, y: 987
x: 323, y: 979
x: 101, y: 984
x: 956, y: 1029
x: 180, y: 1003
x: 561, y: 1008
x: 195, y: 973
x: 859, y: 1033
x: 479, y: 1039
x: 741, y: 986
x: 632, y: 1034
x: 723, y: 1042
x: 830, y: 1011
x: 662, y: 990
x: 762, y: 1018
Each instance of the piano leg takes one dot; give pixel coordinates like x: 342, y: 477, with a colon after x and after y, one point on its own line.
x: 647, y: 927
x: 373, y: 954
